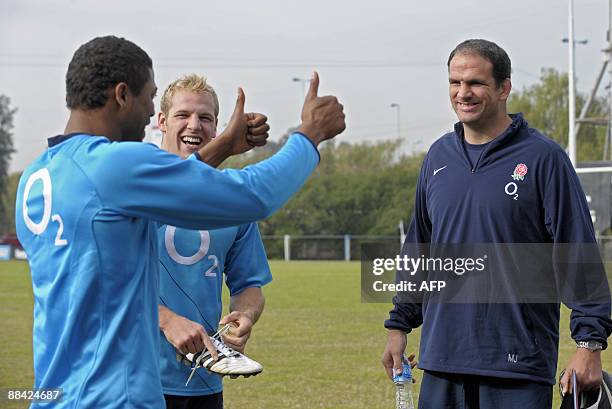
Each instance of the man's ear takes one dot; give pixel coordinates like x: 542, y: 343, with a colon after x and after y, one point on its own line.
x: 506, y: 87
x: 161, y: 122
x: 122, y: 94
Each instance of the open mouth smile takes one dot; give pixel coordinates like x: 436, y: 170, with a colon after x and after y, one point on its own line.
x: 191, y: 140
x: 467, y: 106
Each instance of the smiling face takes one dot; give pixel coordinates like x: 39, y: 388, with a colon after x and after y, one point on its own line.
x: 478, y: 100
x: 190, y: 122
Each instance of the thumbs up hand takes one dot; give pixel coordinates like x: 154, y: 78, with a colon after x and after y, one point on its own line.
x: 322, y: 117
x: 245, y: 131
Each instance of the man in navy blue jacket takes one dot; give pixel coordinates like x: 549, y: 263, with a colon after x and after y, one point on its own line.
x: 495, y: 180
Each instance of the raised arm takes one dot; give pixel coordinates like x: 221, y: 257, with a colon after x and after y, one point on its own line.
x: 143, y: 181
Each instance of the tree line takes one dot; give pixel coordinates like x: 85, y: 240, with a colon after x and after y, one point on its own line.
x: 366, y: 188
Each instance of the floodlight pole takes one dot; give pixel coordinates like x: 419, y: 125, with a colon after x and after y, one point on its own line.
x: 305, y: 83
x: 606, y: 66
x: 571, y: 145
x: 397, y: 106
x: 609, y: 52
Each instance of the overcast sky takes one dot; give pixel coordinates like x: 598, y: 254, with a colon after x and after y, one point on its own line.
x: 370, y: 54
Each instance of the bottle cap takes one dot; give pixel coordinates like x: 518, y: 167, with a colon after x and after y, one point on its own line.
x: 405, y: 376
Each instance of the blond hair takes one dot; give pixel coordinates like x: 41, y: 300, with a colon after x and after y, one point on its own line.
x: 190, y: 82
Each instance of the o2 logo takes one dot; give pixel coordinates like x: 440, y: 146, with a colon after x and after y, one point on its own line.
x: 520, y: 171
x: 40, y: 227
x: 511, y: 189
x: 197, y: 256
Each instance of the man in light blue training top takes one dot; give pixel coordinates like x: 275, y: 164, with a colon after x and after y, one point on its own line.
x: 88, y: 211
x: 192, y: 264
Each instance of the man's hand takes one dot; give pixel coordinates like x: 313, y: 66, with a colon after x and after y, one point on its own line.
x: 240, y: 332
x: 392, y: 357
x: 322, y: 117
x: 185, y: 335
x: 587, y: 366
x: 257, y: 129
x: 245, y: 131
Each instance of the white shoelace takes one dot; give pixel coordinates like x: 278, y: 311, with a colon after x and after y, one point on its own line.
x: 219, y: 344
x: 222, y: 348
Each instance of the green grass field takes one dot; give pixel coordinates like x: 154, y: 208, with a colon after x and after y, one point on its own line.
x: 319, y: 344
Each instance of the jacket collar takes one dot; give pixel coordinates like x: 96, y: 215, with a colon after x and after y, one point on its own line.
x: 57, y: 139
x: 518, y: 124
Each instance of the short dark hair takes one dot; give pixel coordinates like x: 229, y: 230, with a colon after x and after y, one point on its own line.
x: 490, y: 52
x: 102, y: 63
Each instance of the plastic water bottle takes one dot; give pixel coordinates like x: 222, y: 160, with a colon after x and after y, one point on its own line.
x: 403, y: 387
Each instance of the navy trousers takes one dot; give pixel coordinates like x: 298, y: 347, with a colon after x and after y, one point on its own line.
x: 214, y: 401
x: 456, y: 391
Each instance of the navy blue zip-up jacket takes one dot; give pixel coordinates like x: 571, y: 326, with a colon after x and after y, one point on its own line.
x: 457, y: 203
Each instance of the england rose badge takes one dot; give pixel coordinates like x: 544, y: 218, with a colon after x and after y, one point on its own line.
x: 519, y: 172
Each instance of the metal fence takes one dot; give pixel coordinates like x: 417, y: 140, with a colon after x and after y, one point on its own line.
x: 320, y: 247
x: 605, y: 248
x: 348, y: 247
